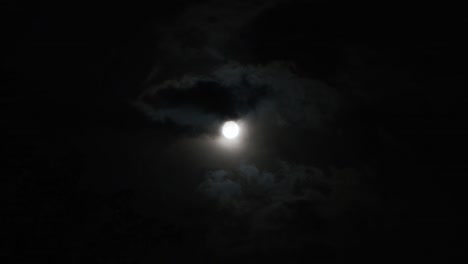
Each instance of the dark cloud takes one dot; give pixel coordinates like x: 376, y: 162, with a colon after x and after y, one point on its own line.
x: 202, y: 78
x: 331, y: 160
x: 208, y: 96
x: 270, y: 94
x: 293, y: 198
x: 199, y: 37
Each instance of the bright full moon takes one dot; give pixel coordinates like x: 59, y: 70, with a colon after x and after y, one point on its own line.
x: 230, y: 129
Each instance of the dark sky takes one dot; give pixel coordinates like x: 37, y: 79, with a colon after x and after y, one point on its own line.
x: 352, y: 145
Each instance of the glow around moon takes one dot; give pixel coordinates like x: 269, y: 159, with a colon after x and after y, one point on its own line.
x: 230, y: 130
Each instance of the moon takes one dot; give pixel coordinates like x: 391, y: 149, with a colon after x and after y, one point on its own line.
x: 230, y: 130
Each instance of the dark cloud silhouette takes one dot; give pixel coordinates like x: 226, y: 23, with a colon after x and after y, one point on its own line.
x: 272, y: 92
x: 208, y: 96
x: 346, y: 147
x: 293, y: 198
x: 203, y: 78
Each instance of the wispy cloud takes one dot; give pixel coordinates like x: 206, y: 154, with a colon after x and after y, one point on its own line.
x: 293, y: 197
x: 270, y: 93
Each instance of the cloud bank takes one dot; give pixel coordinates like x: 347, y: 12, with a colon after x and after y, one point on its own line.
x: 271, y: 93
x: 312, y: 206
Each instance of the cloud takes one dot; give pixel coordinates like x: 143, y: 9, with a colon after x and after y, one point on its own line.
x: 270, y: 94
x: 195, y: 54
x: 253, y: 176
x: 296, y: 199
x: 249, y: 187
x: 219, y: 187
x: 200, y: 37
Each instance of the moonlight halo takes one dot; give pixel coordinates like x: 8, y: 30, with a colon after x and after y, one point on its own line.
x: 230, y: 130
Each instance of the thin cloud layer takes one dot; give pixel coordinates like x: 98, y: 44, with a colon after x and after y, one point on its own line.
x: 241, y: 90
x: 293, y: 198
x: 199, y: 58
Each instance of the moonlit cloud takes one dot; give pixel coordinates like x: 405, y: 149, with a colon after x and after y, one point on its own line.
x: 195, y: 48
x: 219, y: 187
x: 271, y: 201
x: 274, y: 88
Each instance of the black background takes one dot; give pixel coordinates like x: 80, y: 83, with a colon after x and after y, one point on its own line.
x: 68, y: 71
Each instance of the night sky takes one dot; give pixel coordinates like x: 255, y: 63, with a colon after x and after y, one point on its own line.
x: 352, y: 144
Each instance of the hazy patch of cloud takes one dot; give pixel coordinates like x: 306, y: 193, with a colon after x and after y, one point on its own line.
x: 182, y: 116
x: 195, y: 48
x: 270, y: 93
x: 290, y: 198
x: 221, y: 188
x: 254, y: 188
x: 199, y: 37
